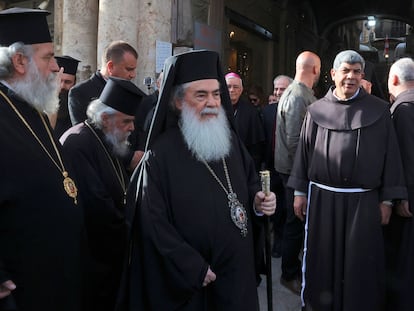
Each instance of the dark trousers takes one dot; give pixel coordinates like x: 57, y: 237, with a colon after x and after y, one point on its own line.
x: 292, y: 237
x: 279, y: 217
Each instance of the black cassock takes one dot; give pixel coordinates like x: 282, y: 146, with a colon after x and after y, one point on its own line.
x: 63, y: 122
x: 183, y: 225
x: 103, y: 205
x: 41, y: 229
x: 400, y: 231
x: 249, y: 126
x: 348, y: 144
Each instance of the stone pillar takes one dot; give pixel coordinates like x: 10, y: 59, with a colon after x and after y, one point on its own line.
x: 185, y: 23
x: 117, y: 21
x: 79, y: 32
x: 216, y: 20
x: 57, y: 26
x: 200, y: 10
x: 154, y: 23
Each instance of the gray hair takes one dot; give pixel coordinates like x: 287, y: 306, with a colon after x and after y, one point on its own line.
x: 282, y: 77
x: 349, y: 57
x: 178, y: 93
x: 6, y: 54
x: 95, y: 110
x: 404, y: 69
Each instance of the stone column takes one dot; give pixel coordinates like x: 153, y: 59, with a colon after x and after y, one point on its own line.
x: 79, y: 32
x: 154, y: 23
x: 117, y: 21
x: 200, y: 10
x: 57, y: 26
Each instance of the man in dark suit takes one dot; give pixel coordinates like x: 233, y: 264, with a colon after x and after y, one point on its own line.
x: 118, y: 60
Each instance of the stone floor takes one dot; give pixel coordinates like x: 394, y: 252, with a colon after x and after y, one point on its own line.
x: 283, y: 299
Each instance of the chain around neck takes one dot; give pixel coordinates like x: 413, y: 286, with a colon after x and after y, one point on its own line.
x: 226, y: 173
x: 118, y: 172
x: 59, y: 165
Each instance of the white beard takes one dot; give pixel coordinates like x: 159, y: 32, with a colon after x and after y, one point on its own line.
x: 41, y: 93
x: 210, y: 139
x: 118, y: 142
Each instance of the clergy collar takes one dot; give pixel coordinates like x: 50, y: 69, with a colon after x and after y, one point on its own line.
x: 346, y: 99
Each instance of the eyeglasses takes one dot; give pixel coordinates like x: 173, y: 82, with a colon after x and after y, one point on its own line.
x: 253, y: 99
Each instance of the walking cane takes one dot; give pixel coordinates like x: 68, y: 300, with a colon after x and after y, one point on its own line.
x: 265, y: 179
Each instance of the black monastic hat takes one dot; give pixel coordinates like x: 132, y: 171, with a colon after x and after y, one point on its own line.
x: 69, y: 64
x: 122, y: 95
x: 182, y: 68
x: 24, y: 25
x: 196, y: 65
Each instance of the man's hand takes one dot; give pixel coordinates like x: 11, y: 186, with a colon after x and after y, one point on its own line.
x: 403, y: 209
x: 299, y: 205
x: 210, y: 277
x: 386, y: 211
x: 59, y: 76
x: 6, y: 288
x: 265, y: 204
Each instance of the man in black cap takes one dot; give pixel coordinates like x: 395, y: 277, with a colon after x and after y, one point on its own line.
x: 96, y: 147
x: 198, y: 195
x: 119, y: 60
x: 41, y: 223
x: 61, y: 121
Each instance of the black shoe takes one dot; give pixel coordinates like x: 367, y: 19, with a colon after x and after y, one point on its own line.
x: 294, y: 285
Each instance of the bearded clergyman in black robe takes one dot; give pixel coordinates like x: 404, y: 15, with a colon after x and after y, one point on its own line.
x: 96, y: 148
x: 41, y: 223
x: 348, y: 165
x: 198, y: 195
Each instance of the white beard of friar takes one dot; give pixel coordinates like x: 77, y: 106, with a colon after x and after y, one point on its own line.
x: 42, y: 93
x: 210, y: 139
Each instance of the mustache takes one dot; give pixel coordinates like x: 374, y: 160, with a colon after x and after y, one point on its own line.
x: 209, y: 110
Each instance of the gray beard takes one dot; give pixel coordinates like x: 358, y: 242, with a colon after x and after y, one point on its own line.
x: 39, y: 92
x: 118, y: 142
x: 209, y: 140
